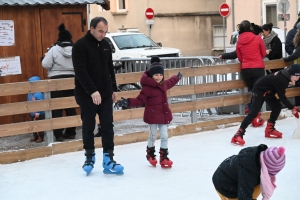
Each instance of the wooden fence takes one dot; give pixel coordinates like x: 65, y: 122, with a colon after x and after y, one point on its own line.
x: 120, y: 115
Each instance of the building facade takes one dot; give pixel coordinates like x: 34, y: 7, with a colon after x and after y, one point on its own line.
x: 188, y: 26
x: 260, y: 12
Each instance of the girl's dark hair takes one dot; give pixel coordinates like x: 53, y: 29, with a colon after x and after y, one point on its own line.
x: 267, y: 27
x: 244, y: 26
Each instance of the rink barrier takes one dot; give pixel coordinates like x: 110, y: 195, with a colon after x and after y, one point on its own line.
x: 120, y: 115
x: 77, y: 145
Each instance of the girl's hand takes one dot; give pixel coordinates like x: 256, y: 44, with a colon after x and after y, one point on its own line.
x: 179, y: 75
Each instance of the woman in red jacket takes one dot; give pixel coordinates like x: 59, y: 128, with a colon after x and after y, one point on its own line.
x: 250, y: 51
x: 157, y: 112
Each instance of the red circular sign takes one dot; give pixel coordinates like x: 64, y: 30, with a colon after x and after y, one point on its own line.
x: 224, y: 10
x: 149, y: 13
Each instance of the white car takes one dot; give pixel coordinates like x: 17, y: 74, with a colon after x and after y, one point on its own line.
x: 137, y: 45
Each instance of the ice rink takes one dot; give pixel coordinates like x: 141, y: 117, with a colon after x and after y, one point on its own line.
x: 195, y: 157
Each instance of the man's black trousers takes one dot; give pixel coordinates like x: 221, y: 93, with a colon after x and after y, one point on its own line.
x: 88, y: 113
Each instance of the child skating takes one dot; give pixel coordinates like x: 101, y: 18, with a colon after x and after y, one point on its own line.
x: 157, y: 112
x: 265, y: 89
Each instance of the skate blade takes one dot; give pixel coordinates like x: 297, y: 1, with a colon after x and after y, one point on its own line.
x: 87, y: 169
x: 273, y: 136
x: 237, y: 144
x: 153, y: 164
x: 107, y: 171
x: 166, y: 166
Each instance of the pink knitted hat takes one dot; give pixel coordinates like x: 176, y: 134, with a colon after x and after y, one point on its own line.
x: 274, y: 159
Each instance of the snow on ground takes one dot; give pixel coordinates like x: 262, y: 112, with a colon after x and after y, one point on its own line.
x: 195, y: 156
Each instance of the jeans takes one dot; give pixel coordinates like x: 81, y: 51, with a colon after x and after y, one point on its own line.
x: 163, y: 130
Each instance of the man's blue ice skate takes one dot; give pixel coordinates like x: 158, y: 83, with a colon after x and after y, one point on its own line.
x: 90, y: 160
x: 110, y: 166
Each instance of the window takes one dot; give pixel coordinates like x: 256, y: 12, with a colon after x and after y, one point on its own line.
x: 218, y: 37
x: 121, y: 4
x: 131, y: 41
x: 271, y: 14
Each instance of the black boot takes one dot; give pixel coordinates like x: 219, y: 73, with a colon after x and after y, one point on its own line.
x: 165, y: 162
x: 151, y: 156
x: 90, y: 160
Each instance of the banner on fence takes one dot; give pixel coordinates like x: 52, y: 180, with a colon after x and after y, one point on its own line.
x: 10, y: 66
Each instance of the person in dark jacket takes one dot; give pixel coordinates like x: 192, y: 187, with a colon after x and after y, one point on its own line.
x: 249, y: 173
x: 157, y: 112
x: 295, y: 56
x: 95, y: 87
x: 272, y: 42
x: 289, y: 44
x: 265, y: 89
x: 257, y: 30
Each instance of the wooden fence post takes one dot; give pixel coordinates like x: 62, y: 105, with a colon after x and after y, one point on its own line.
x: 48, y: 115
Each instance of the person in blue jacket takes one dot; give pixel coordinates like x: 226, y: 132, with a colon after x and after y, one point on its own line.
x: 40, y: 115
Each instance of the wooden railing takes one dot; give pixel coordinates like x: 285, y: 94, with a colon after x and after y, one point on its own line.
x: 68, y: 102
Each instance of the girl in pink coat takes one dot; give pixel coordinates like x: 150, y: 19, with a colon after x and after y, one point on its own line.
x: 157, y: 112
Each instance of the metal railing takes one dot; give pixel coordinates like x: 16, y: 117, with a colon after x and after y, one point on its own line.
x: 143, y: 64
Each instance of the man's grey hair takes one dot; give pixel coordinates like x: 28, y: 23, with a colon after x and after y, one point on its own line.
x: 96, y: 20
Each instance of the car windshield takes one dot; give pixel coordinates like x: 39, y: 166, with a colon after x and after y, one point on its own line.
x: 234, y: 38
x: 133, y: 41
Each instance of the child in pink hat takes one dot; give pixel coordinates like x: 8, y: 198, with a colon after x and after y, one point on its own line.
x: 250, y: 173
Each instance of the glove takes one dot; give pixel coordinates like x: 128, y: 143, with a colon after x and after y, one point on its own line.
x: 295, y: 112
x: 179, y: 75
x: 122, y: 103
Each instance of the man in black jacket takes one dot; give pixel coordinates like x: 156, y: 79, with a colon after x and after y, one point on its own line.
x: 95, y: 87
x: 265, y: 89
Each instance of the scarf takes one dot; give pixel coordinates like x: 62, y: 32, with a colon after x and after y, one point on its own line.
x: 267, y: 182
x: 268, y: 39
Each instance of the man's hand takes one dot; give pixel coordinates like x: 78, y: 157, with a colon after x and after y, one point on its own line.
x: 96, y: 98
x: 114, y: 97
x: 295, y: 112
x: 36, y: 115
